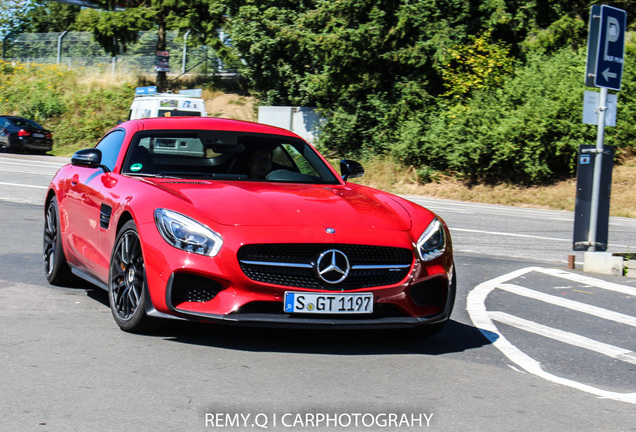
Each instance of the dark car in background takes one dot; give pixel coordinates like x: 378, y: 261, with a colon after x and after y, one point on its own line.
x: 20, y: 134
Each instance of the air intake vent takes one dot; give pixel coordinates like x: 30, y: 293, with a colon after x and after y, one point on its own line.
x: 193, y: 288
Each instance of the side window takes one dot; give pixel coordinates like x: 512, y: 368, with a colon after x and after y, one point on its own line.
x: 303, y: 166
x: 110, y: 146
x: 281, y: 157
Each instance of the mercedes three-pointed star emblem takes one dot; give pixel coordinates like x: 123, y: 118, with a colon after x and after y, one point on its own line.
x: 333, y: 266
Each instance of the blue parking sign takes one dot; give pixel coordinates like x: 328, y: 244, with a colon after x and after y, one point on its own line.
x: 610, y: 48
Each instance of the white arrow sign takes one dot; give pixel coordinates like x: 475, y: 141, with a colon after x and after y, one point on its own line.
x: 607, y: 75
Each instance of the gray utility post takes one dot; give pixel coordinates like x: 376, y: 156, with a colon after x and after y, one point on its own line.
x: 185, y: 52
x: 604, y: 69
x: 59, y: 46
x: 598, y: 167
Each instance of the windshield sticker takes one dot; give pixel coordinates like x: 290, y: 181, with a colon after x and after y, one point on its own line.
x: 136, y: 167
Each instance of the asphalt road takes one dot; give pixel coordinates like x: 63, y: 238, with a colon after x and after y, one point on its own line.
x: 531, y: 346
x: 492, y: 230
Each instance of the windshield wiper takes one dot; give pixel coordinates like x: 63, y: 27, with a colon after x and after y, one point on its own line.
x: 151, y: 175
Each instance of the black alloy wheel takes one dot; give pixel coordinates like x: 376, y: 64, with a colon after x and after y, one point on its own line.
x: 55, y: 265
x: 127, y: 282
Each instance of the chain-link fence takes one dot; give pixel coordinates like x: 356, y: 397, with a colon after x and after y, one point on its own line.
x: 79, y: 50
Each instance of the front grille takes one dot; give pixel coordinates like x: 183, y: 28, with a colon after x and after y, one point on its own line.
x: 295, y: 265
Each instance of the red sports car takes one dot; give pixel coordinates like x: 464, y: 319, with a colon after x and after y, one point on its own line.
x: 226, y: 221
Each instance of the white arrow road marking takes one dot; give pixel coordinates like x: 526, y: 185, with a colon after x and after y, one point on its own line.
x: 476, y: 307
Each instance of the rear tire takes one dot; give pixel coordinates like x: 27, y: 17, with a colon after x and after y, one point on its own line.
x: 55, y: 266
x: 127, y: 286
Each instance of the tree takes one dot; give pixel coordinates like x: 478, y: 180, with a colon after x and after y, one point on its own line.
x: 115, y: 29
x: 50, y: 16
x: 420, y: 79
x: 12, y: 13
x: 368, y: 64
x: 525, y: 131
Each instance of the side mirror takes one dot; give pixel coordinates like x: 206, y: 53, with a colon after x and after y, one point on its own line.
x: 350, y: 169
x: 90, y: 158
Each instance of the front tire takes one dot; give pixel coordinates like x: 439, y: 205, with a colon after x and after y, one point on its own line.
x: 127, y: 287
x: 55, y: 266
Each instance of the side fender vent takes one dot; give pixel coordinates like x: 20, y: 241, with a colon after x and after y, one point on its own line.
x: 104, y: 216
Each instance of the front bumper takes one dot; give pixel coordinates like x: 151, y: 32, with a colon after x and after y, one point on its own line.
x: 407, y: 305
x: 279, y: 321
x: 20, y: 144
x: 199, y: 288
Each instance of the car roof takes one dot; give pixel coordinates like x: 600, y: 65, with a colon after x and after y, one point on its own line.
x: 17, y: 120
x: 207, y: 123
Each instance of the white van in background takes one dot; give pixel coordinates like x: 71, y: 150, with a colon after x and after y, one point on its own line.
x: 148, y: 103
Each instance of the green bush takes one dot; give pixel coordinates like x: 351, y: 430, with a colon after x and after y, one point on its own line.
x: 92, y: 112
x: 623, y: 136
x: 527, y: 131
x: 44, y: 109
x: 77, y: 111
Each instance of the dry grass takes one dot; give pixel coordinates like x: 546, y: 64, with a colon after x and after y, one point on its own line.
x: 230, y: 105
x: 623, y: 201
x: 389, y: 176
x: 105, y: 80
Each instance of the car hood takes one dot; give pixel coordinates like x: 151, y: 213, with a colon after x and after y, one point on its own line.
x: 267, y: 204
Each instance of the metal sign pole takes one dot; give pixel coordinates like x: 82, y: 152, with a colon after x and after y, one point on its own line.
x: 604, y: 69
x: 596, y: 185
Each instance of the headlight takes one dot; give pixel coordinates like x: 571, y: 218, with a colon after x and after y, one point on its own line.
x: 432, y: 242
x: 187, y: 234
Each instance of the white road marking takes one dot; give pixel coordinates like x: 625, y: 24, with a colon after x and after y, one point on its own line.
x: 23, y: 185
x: 34, y: 171
x: 570, y: 304
x: 586, y: 280
x: 510, y: 234
x: 566, y: 337
x: 9, y: 161
x: 505, y: 234
x: 21, y: 201
x: 476, y: 307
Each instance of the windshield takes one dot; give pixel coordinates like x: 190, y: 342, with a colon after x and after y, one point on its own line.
x: 225, y: 155
x: 178, y: 113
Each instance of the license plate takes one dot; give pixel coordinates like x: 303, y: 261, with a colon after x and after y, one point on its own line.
x: 303, y: 302
x: 38, y: 135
